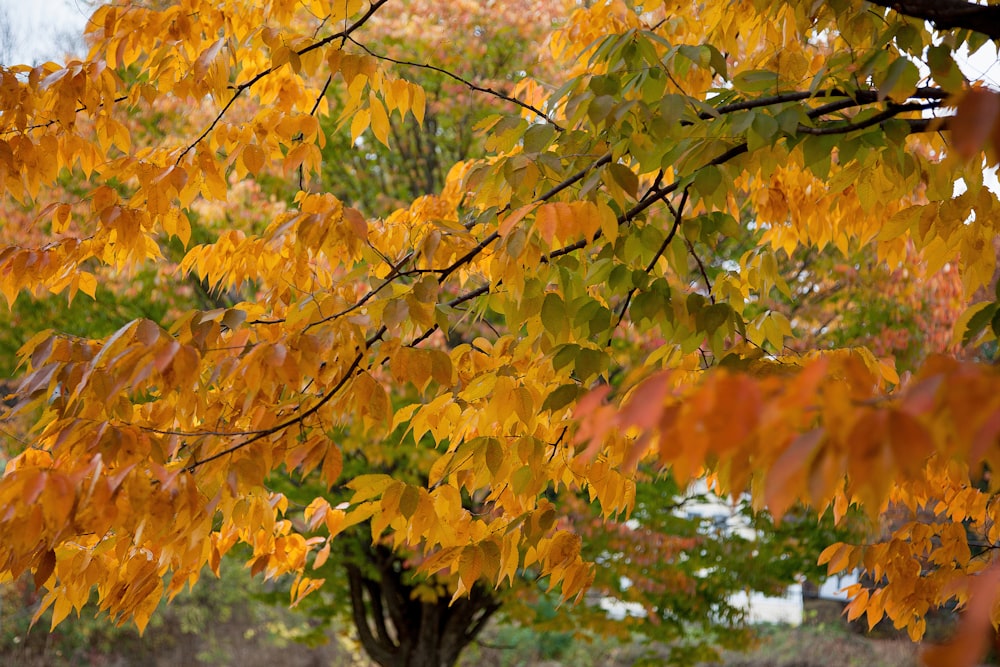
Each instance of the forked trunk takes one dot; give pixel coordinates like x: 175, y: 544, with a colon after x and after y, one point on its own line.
x: 398, y: 630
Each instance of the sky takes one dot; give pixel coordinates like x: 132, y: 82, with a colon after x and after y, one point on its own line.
x: 43, y: 29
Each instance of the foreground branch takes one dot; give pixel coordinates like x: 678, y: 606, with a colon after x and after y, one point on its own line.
x: 949, y: 14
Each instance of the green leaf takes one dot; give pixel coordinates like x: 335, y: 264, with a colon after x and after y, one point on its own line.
x: 605, y: 85
x: 520, y: 479
x: 695, y: 303
x: 538, y: 137
x: 640, y: 279
x: 600, y: 322
x: 565, y: 355
x: 620, y: 278
x: 944, y: 70
x: 408, y: 501
x: 699, y: 55
x: 672, y: 108
x: 561, y: 396
x: 995, y: 323
x: 979, y: 322
x: 713, y: 317
x: 817, y: 153
x: 899, y: 80
x: 494, y: 455
x: 599, y: 108
x: 909, y: 39
x: 590, y: 363
x: 691, y: 228
x: 707, y: 181
x: 740, y: 121
x: 717, y: 61
x: 756, y: 81
x: 762, y: 131
x: 626, y: 179
x: 554, y: 316
x: 653, y: 86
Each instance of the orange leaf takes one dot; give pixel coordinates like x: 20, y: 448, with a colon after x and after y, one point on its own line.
x: 969, y: 644
x: 787, y: 476
x: 45, y: 568
x: 911, y: 443
x: 974, y: 121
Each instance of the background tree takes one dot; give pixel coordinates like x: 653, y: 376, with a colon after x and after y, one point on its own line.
x: 572, y: 264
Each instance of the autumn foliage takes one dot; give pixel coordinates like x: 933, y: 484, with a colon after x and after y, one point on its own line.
x: 643, y: 270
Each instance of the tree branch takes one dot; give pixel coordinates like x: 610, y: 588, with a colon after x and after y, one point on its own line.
x: 678, y: 217
x: 395, y: 593
x: 479, y: 89
x: 379, y: 652
x: 246, y: 85
x: 348, y: 374
x: 949, y: 14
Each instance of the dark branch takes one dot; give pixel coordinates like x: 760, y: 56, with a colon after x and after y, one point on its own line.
x: 949, y: 14
x: 381, y: 653
x: 881, y: 117
x: 246, y: 85
x: 559, y: 187
x: 853, y: 98
x: 678, y: 217
x: 471, y: 86
x: 352, y: 369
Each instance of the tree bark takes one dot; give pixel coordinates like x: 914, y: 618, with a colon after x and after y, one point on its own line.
x: 398, y: 630
x: 950, y: 14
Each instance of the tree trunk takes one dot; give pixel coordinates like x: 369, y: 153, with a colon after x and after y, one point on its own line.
x: 398, y: 630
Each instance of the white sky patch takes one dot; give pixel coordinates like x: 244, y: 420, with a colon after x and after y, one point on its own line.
x: 43, y: 29
x: 983, y: 65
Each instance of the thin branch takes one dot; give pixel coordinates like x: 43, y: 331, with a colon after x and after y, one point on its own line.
x: 678, y: 216
x: 326, y: 398
x: 555, y: 445
x: 243, y: 87
x: 465, y: 82
x: 877, y: 119
x: 853, y: 98
x: 701, y: 269
x: 949, y: 14
x: 312, y: 112
x: 79, y: 109
x: 562, y: 185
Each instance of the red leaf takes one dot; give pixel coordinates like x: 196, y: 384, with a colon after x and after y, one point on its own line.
x: 974, y: 121
x: 786, y: 477
x: 45, y: 568
x: 969, y: 644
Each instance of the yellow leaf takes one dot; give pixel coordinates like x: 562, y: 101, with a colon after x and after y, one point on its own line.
x: 379, y: 119
x: 87, y: 284
x: 564, y: 548
x: 359, y: 123
x: 333, y: 464
x: 60, y: 611
x: 253, y: 158
x: 321, y: 556
x: 417, y: 103
x: 837, y: 556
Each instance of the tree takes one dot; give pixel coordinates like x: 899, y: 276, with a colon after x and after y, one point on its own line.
x: 624, y: 237
x: 377, y: 593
